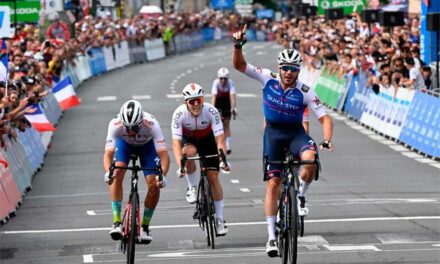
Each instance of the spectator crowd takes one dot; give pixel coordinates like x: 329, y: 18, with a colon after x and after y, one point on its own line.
x: 390, y: 58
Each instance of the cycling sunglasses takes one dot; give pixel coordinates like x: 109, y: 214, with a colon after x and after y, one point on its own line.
x: 133, y: 129
x: 195, y: 100
x: 290, y: 68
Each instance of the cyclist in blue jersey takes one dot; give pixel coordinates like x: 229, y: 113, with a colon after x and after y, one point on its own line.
x: 285, y: 99
x: 135, y: 131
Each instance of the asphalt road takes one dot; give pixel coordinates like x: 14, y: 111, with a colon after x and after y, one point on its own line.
x: 376, y: 202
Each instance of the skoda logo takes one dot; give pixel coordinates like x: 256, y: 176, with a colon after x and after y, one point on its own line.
x: 325, y: 4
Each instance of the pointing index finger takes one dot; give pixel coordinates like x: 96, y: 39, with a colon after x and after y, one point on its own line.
x: 244, y: 29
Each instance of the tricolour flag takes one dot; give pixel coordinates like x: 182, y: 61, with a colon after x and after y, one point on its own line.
x: 65, y: 94
x: 3, y: 61
x: 39, y: 120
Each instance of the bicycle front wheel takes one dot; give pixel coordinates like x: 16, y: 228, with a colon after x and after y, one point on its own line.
x: 283, y: 235
x: 210, y: 211
x: 292, y: 221
x: 132, y: 232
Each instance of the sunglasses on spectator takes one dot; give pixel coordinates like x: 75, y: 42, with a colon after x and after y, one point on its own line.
x: 134, y: 129
x: 290, y: 68
x: 195, y: 101
x: 223, y: 78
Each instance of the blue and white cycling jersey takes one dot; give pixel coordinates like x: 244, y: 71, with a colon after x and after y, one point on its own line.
x: 284, y: 108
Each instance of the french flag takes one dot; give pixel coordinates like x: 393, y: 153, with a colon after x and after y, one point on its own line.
x: 39, y: 120
x: 4, y: 58
x: 65, y: 94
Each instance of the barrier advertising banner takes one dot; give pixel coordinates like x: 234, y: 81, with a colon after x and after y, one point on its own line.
x: 329, y: 88
x: 27, y: 10
x: 349, y: 6
x: 386, y: 111
x: 421, y: 128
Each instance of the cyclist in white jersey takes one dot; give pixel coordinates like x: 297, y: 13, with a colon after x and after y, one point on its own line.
x: 197, y: 128
x: 224, y: 99
x: 135, y: 131
x: 285, y: 99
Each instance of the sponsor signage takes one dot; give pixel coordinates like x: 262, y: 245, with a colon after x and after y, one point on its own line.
x: 27, y: 10
x: 222, y: 4
x: 349, y: 6
x: 5, y: 24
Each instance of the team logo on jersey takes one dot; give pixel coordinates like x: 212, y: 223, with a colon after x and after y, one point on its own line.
x: 316, y: 100
x: 276, y: 86
x: 258, y: 69
x: 305, y: 88
x: 204, y: 122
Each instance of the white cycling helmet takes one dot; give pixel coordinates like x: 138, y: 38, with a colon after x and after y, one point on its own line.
x: 131, y: 113
x: 192, y: 90
x: 223, y: 73
x: 289, y: 56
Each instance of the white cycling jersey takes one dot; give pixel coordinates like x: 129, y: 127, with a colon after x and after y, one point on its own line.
x: 185, y: 124
x: 221, y: 91
x: 150, y: 130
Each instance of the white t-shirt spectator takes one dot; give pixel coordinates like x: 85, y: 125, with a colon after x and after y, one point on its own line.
x: 416, y: 76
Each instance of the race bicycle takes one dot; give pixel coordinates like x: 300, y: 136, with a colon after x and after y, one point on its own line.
x: 204, y: 211
x: 131, y: 229
x: 290, y: 225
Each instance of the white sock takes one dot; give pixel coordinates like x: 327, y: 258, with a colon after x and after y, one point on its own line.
x: 219, y: 209
x: 228, y: 143
x: 191, y: 179
x: 303, y: 186
x: 271, y: 221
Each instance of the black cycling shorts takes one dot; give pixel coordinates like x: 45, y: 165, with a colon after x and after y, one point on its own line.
x: 205, y: 146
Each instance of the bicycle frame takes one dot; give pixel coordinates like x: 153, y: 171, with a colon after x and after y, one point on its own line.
x: 205, y: 209
x: 131, y: 222
x: 290, y: 224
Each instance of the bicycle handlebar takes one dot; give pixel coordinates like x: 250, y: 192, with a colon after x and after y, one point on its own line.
x: 294, y: 162
x: 135, y: 168
x: 184, y: 159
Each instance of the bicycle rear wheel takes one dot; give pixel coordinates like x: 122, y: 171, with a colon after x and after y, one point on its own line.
x: 132, y: 232
x: 293, y: 222
x: 210, y: 213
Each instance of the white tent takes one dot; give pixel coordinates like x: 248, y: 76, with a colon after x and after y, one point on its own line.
x: 150, y: 9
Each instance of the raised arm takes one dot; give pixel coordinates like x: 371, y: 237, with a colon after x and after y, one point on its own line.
x: 239, y: 39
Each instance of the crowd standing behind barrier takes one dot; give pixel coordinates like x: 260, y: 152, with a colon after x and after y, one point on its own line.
x: 102, y: 45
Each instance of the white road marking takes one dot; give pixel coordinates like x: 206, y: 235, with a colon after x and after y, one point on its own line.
x: 436, y: 245
x: 261, y: 53
x: 398, y: 148
x: 249, y: 95
x: 358, y: 127
x: 376, y: 137
x: 144, y: 256
x: 141, y: 97
x: 425, y: 160
x: 388, y: 142
x: 410, y: 154
x: 91, y: 212
x: 339, y: 117
x: 367, y: 132
x: 172, y: 96
x: 437, y: 165
x: 399, y: 238
x: 235, y: 181
x: 189, y: 71
x: 245, y: 190
x: 106, y: 98
x: 88, y: 258
x: 198, y: 54
x: 258, y: 201
x: 341, y: 220
x: 312, y: 241
x: 352, y: 247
